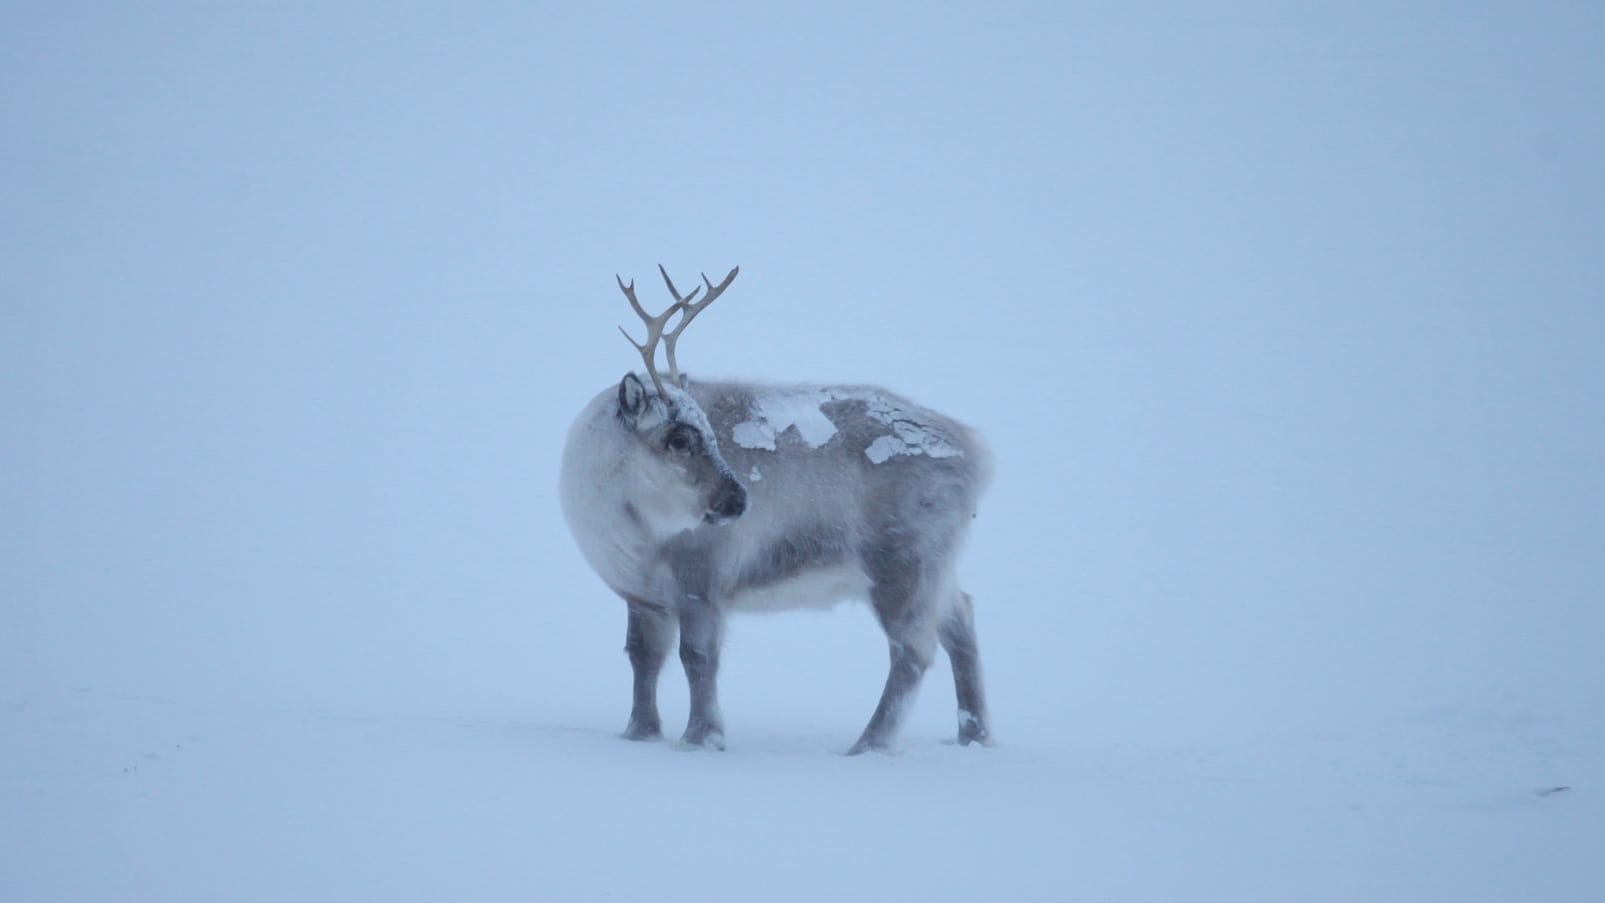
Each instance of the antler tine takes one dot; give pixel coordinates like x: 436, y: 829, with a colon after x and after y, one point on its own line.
x: 654, y: 330
x: 676, y: 292
x: 690, y: 312
x: 715, y: 291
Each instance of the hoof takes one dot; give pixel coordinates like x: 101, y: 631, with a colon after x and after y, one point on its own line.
x: 639, y: 731
x: 981, y: 738
x: 703, y: 738
x: 865, y: 745
x: 973, y: 730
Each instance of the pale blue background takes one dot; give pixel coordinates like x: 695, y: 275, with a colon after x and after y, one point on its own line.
x: 1284, y: 322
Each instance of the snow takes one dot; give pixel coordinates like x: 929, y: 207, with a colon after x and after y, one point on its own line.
x: 753, y: 434
x: 776, y: 410
x: 690, y: 412
x: 1282, y: 326
x: 910, y: 439
x: 164, y: 799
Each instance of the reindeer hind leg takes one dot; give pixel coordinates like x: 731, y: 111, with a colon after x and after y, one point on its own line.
x: 901, y: 592
x: 957, y: 633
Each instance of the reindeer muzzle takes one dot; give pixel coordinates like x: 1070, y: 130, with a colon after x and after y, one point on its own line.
x: 729, y: 503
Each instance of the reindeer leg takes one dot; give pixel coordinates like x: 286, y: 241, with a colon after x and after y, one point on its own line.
x: 701, y: 630
x: 957, y: 633
x: 902, y: 606
x: 646, y: 640
x: 911, y: 652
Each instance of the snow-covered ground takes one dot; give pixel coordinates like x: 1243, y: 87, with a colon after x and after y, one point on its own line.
x: 1283, y: 327
x: 148, y: 798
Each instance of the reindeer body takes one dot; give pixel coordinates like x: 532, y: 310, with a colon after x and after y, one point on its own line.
x: 701, y: 499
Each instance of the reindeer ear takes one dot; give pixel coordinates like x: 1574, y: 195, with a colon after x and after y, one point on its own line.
x: 632, y: 397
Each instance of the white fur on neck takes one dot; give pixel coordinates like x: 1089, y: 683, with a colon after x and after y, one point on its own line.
x: 617, y: 509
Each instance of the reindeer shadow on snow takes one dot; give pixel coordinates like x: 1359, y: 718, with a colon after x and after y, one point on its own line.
x: 692, y: 500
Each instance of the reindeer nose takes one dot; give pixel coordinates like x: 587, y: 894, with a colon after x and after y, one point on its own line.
x: 730, y: 501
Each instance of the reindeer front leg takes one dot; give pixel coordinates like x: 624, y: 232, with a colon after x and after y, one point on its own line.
x: 646, y: 640
x: 701, y: 631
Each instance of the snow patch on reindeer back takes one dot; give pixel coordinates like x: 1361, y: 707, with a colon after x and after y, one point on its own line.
x: 773, y: 413
x: 910, y: 432
x: 909, y: 438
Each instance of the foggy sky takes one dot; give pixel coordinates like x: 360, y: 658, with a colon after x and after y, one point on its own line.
x: 1283, y: 325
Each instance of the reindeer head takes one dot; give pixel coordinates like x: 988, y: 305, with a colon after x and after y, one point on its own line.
x: 679, y: 477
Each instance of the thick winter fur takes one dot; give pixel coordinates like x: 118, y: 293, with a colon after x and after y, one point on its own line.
x: 720, y: 497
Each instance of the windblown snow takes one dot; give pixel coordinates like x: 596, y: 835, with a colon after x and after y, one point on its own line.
x: 1281, y: 320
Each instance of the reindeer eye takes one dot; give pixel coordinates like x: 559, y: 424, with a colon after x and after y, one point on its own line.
x: 679, y: 442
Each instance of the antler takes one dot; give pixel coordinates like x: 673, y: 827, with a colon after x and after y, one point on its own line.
x: 690, y: 311
x: 688, y: 307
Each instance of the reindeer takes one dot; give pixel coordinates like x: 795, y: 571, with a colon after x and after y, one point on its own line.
x: 692, y: 500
